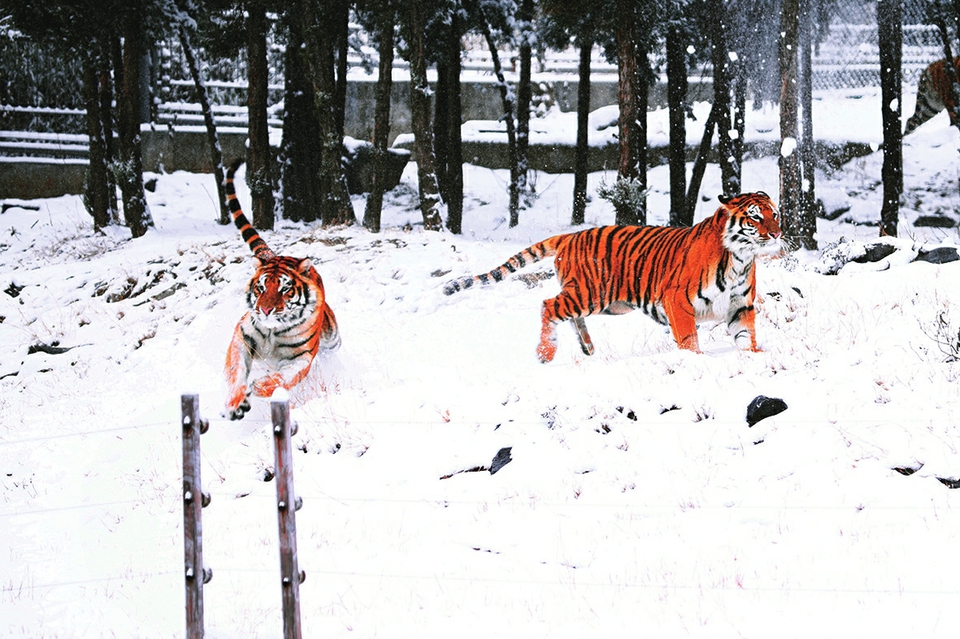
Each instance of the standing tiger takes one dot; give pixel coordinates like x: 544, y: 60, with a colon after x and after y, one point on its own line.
x: 677, y: 276
x: 289, y: 320
x: 933, y: 94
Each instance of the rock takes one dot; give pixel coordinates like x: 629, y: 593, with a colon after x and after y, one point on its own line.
x: 358, y: 166
x: 501, y: 459
x: 939, y: 255
x: 875, y: 252
x: 762, y: 407
x: 935, y: 221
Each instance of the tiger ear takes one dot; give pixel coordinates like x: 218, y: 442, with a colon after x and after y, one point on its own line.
x: 724, y: 199
x: 305, y: 265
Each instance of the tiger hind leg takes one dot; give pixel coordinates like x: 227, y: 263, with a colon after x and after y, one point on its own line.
x: 586, y: 344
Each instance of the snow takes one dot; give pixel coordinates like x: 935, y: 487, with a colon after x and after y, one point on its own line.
x: 637, y: 500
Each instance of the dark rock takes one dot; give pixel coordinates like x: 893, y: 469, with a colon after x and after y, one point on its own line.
x: 939, y: 255
x: 935, y: 221
x: 762, y: 407
x: 876, y: 252
x: 501, y: 459
x: 358, y: 161
x: 949, y: 483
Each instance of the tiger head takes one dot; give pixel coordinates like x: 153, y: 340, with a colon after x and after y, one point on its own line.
x: 280, y: 293
x: 753, y: 224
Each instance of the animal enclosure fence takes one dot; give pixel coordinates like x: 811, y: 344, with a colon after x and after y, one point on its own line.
x: 194, y: 500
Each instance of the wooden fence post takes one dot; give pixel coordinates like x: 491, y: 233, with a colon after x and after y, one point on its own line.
x: 287, y: 505
x: 194, y: 499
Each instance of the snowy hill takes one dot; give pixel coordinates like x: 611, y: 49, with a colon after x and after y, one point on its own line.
x: 637, y: 501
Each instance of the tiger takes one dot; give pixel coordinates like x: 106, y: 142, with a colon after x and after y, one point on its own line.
x: 287, y: 323
x: 934, y: 94
x: 677, y: 276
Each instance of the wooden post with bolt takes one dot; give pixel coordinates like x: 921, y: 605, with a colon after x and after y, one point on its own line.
x: 287, y: 505
x: 194, y: 499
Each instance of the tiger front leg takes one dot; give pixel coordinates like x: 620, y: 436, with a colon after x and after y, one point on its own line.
x: 236, y: 369
x: 741, y: 325
x: 287, y: 376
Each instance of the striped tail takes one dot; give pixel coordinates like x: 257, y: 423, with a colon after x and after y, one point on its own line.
x: 529, y: 255
x: 260, y: 249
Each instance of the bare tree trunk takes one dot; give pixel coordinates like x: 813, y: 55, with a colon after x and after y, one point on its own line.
x: 677, y: 107
x: 700, y: 164
x: 130, y: 167
x: 729, y: 171
x: 628, y: 169
x: 524, y: 96
x: 448, y: 121
x: 213, y: 140
x: 259, y: 170
x: 789, y: 130
x: 335, y: 205
x: 506, y: 97
x: 808, y: 191
x: 890, y: 35
x: 107, y: 93
x: 581, y: 162
x: 343, y: 32
x: 430, y: 202
x: 381, y: 121
x: 301, y: 152
x: 95, y: 193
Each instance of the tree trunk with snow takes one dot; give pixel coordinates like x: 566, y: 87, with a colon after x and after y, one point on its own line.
x: 381, y: 120
x: 729, y: 169
x: 96, y: 188
x: 448, y: 141
x: 259, y: 161
x: 680, y: 215
x: 525, y: 14
x: 790, y: 179
x: 129, y: 168
x: 808, y: 191
x: 509, y: 113
x: 300, y: 150
x: 890, y: 36
x: 320, y: 40
x: 581, y: 160
x: 430, y: 201
x: 631, y: 168
x: 213, y: 140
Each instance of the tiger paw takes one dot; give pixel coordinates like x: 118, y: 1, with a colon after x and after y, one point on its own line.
x: 546, y: 351
x: 237, y: 413
x: 264, y: 386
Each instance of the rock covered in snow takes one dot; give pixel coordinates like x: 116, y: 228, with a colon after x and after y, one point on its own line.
x: 762, y: 407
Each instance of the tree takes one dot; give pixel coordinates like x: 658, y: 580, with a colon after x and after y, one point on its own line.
x: 300, y: 149
x: 430, y: 203
x: 629, y: 193
x: 320, y: 44
x: 562, y: 21
x: 129, y: 168
x: 789, y: 119
x: 260, y: 155
x: 184, y: 21
x: 526, y: 36
x: 448, y: 119
x: 383, y: 25
x: 482, y: 21
x: 890, y: 36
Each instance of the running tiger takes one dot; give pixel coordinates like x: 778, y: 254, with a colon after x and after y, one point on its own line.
x: 933, y: 94
x: 677, y: 276
x: 289, y: 320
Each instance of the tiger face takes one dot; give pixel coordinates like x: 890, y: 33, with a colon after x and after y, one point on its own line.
x: 753, y: 226
x: 278, y: 297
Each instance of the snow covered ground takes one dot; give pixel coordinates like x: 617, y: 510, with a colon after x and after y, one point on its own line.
x: 637, y: 503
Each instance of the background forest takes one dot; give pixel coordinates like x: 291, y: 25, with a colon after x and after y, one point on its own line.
x: 287, y: 64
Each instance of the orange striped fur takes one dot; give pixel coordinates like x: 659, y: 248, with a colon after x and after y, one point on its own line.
x: 934, y: 94
x: 677, y: 276
x: 289, y: 320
